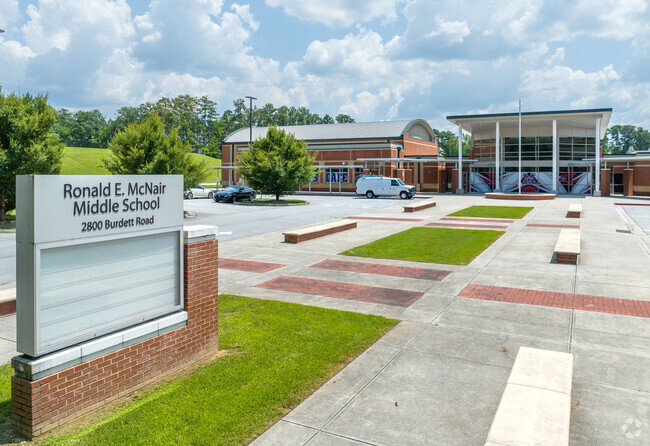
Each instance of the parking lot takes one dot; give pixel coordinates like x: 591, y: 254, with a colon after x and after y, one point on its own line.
x: 237, y: 221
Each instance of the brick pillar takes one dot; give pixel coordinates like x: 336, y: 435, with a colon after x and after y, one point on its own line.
x: 628, y: 182
x: 366, y: 171
x: 605, y: 182
x: 40, y: 405
x: 454, y: 180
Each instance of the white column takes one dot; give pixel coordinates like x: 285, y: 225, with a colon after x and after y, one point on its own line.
x: 497, y: 167
x: 597, y: 169
x: 554, y: 174
x: 460, y: 160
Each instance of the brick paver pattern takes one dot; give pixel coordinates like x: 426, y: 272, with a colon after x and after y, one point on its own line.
x: 415, y: 220
x: 540, y: 225
x: 384, y: 270
x: 467, y: 226
x: 248, y: 265
x: 600, y: 304
x: 339, y: 290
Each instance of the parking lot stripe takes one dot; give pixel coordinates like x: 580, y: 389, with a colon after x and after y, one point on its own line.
x: 586, y: 302
x: 248, y: 265
x: 384, y: 270
x: 387, y: 296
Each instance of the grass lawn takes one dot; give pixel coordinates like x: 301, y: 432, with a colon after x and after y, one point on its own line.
x: 277, y: 355
x: 493, y: 211
x: 86, y: 161
x: 431, y: 245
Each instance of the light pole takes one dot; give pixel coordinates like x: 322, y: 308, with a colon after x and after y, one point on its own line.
x: 519, y: 173
x: 250, y: 118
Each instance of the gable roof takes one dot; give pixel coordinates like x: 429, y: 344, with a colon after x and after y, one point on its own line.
x: 328, y: 132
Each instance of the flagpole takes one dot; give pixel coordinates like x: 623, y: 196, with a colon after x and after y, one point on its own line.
x: 519, y: 176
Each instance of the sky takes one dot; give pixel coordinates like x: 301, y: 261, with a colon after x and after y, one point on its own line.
x: 372, y: 59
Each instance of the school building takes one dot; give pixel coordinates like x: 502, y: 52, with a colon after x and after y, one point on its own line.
x: 560, y: 153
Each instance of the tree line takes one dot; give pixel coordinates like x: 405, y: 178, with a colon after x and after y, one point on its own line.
x: 195, y: 119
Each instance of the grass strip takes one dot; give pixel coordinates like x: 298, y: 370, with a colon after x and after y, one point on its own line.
x: 493, y: 212
x: 278, y: 354
x: 431, y: 245
x: 88, y: 161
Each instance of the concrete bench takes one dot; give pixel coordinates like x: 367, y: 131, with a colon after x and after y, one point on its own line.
x: 535, y: 407
x: 574, y: 211
x: 567, y: 248
x: 311, y: 232
x: 419, y: 205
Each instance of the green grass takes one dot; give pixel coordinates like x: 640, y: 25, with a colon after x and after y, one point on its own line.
x: 431, y: 245
x: 493, y: 212
x: 279, y: 354
x: 86, y: 161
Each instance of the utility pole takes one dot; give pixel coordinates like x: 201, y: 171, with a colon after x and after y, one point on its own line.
x: 250, y: 119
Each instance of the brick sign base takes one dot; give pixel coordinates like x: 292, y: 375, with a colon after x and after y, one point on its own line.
x: 44, y: 404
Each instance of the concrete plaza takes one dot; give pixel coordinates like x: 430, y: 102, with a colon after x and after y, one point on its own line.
x: 437, y: 378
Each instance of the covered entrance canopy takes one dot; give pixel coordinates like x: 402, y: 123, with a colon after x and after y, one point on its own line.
x: 551, y: 142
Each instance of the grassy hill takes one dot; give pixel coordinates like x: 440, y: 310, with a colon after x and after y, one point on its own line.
x: 85, y: 161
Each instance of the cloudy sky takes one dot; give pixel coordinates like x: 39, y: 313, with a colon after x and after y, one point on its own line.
x: 372, y: 59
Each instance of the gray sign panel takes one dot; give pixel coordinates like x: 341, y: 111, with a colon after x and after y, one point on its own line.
x: 96, y: 254
x: 64, y: 207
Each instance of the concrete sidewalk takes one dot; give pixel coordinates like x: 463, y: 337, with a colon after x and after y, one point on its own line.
x: 438, y: 376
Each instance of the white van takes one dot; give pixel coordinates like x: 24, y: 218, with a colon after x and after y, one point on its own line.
x: 374, y: 185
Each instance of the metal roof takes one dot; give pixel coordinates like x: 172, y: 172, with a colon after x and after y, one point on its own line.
x: 328, y: 132
x: 585, y: 118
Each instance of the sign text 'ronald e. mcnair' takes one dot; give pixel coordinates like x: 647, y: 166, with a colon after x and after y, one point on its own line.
x: 113, y: 198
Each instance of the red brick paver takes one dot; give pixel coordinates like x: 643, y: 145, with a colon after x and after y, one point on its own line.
x: 416, y: 220
x: 486, y: 220
x: 600, y: 304
x: 385, y: 270
x: 362, y: 293
x: 248, y: 265
x: 467, y: 226
x: 540, y: 225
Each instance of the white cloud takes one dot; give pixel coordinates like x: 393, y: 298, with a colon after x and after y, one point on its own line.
x: 561, y: 82
x: 9, y: 13
x: 338, y: 13
x: 450, y: 31
x: 557, y: 57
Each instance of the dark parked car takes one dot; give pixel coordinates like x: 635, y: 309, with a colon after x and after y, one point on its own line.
x: 234, y: 193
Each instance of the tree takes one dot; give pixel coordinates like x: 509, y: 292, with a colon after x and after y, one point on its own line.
x: 277, y: 164
x: 27, y: 143
x: 624, y: 139
x: 87, y: 129
x: 63, y: 125
x: 123, y: 118
x: 448, y: 143
x: 341, y: 118
x: 145, y: 148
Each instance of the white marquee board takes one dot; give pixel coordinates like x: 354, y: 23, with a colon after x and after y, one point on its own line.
x: 95, y: 254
